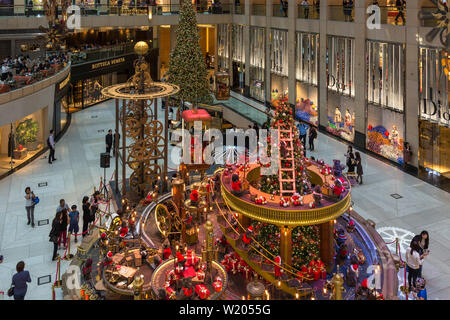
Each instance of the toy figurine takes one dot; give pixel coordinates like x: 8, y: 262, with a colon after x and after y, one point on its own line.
x: 348, y: 118
x: 394, y: 136
x: 317, y: 194
x: 352, y: 275
x: 235, y: 185
x: 337, y: 116
x: 194, y: 196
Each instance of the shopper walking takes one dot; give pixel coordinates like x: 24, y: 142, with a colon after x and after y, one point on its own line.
x: 359, y: 168
x: 86, y: 215
x: 423, y: 239
x: 413, y: 263
x: 109, y: 141
x: 19, y: 281
x: 312, y: 136
x: 400, y: 4
x: 351, y: 163
x: 51, y: 145
x: 54, y: 234
x: 74, y: 217
x: 63, y: 223
x: 29, y: 205
x: 302, y: 128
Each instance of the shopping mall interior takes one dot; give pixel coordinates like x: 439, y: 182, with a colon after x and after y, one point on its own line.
x: 111, y: 104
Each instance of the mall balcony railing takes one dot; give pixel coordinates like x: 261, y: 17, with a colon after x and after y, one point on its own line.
x: 339, y: 13
x: 104, y: 53
x: 239, y: 9
x: 308, y: 12
x: 388, y: 14
x: 258, y: 9
x: 126, y: 10
x: 279, y: 11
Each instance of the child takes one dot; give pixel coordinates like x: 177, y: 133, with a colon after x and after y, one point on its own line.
x: 421, y: 291
x: 74, y: 216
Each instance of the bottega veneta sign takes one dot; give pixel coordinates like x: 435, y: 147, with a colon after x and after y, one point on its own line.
x: 107, y: 63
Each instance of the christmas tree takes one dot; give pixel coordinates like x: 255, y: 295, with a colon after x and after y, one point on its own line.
x: 187, y: 67
x: 283, y: 119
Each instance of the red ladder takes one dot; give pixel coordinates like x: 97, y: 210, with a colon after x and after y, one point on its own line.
x: 285, y: 135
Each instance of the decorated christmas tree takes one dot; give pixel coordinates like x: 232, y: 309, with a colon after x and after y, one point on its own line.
x: 284, y: 120
x: 187, y: 67
x: 305, y: 242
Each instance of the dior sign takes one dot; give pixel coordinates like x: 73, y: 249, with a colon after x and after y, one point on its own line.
x: 432, y: 110
x: 333, y: 83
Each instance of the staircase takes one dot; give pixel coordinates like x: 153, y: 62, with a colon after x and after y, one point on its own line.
x: 285, y: 137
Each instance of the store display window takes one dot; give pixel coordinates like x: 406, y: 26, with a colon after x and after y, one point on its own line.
x: 22, y: 139
x: 223, y: 46
x: 434, y: 84
x: 341, y: 116
x: 257, y: 63
x: 306, y: 59
x: 238, y: 43
x: 340, y: 65
x: 279, y: 52
x: 434, y: 148
x: 306, y: 108
x: 386, y: 74
x: 385, y: 133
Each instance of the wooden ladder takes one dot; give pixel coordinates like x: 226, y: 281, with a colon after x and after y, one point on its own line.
x: 285, y: 135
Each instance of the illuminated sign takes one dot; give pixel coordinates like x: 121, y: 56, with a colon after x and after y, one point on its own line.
x: 107, y: 63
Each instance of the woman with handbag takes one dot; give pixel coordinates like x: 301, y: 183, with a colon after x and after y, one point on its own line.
x: 54, y: 234
x: 29, y: 205
x: 19, y: 282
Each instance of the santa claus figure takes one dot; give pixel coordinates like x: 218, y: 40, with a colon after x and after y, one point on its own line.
x: 352, y: 275
x: 338, y: 188
x: 247, y: 237
x: 277, y: 267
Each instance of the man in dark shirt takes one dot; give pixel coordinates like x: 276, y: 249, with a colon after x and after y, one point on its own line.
x: 116, y: 142
x: 109, y: 141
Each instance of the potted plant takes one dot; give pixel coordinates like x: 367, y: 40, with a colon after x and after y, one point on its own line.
x: 26, y: 134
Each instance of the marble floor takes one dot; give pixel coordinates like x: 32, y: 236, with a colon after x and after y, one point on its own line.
x: 77, y: 171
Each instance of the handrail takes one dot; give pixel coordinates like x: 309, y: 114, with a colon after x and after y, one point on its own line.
x: 282, y: 217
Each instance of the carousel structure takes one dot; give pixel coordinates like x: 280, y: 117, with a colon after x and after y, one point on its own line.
x: 229, y: 231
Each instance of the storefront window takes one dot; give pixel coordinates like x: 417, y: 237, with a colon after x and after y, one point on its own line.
x: 434, y: 85
x: 223, y: 46
x: 306, y: 67
x: 257, y: 62
x: 385, y: 133
x: 279, y: 52
x: 341, y: 116
x: 306, y: 108
x: 385, y: 74
x: 21, y: 140
x: 306, y: 64
x: 340, y: 65
x: 64, y: 111
x: 85, y: 93
x: 238, y: 43
x: 434, y: 148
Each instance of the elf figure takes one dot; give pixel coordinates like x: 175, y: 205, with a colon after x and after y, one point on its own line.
x: 337, y: 168
x: 352, y: 275
x: 363, y: 292
x: 188, y: 220
x: 350, y: 225
x: 235, y: 185
x: 317, y: 194
x: 277, y: 267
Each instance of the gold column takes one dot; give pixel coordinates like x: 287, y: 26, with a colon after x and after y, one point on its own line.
x: 326, y: 244
x: 286, y: 245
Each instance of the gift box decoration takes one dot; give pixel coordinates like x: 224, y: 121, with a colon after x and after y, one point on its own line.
x: 189, y: 272
x: 202, y: 291
x: 179, y: 270
x: 217, y: 286
x: 201, y: 275
x: 171, y: 293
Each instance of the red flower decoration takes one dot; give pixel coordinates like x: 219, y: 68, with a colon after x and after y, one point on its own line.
x: 370, y: 127
x: 386, y: 133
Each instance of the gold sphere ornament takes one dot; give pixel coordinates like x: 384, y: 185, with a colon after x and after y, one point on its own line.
x: 141, y: 48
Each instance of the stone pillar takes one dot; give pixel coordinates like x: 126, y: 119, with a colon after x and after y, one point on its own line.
x: 411, y: 80
x: 248, y: 10
x: 326, y: 244
x: 322, y: 85
x: 286, y: 245
x: 292, y: 16
x: 359, y: 81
